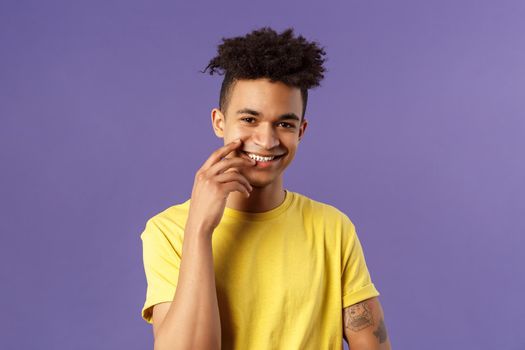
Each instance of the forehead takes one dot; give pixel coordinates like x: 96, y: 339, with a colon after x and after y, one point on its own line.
x: 271, y: 98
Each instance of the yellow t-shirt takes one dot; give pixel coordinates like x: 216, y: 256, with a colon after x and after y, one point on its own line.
x: 282, y: 276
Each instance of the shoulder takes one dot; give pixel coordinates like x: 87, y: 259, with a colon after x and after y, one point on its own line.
x: 323, y: 211
x: 168, y: 221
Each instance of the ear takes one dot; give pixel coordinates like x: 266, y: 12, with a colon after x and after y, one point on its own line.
x: 302, y: 128
x: 217, y: 122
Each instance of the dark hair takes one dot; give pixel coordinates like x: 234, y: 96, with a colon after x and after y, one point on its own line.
x: 264, y: 53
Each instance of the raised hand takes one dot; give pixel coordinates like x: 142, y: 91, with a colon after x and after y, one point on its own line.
x: 214, y: 181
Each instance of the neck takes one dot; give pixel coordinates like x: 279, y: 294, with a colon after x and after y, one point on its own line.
x: 261, y: 198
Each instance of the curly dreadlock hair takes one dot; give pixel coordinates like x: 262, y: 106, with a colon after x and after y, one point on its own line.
x: 264, y: 53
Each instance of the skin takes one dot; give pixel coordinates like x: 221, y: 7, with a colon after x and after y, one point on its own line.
x: 264, y: 134
x: 364, y: 326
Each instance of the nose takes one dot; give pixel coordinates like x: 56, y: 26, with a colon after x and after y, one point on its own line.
x: 265, y: 136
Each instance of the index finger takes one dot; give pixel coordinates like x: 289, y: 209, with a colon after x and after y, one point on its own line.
x: 218, y: 154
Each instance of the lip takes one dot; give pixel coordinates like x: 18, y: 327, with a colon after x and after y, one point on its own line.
x: 264, y: 165
x: 264, y: 155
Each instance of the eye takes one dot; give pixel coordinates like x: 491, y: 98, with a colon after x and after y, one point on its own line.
x: 246, y: 119
x: 287, y: 125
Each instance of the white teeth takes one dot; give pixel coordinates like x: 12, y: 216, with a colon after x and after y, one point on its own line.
x: 259, y: 158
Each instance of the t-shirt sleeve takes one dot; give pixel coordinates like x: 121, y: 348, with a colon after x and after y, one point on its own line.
x: 161, y: 251
x: 355, y: 279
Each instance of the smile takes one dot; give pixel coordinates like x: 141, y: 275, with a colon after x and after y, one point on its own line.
x: 262, y: 158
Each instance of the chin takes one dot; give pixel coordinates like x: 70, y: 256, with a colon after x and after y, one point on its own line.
x: 258, y: 182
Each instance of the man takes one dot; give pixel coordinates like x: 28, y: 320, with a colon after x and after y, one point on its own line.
x: 245, y: 263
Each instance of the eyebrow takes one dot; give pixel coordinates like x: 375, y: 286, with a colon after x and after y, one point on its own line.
x: 286, y: 116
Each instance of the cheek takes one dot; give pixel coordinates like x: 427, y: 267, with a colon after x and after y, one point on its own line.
x: 292, y: 149
x: 235, y: 133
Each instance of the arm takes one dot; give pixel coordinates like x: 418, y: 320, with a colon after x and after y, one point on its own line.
x: 364, y: 326
x: 192, y: 320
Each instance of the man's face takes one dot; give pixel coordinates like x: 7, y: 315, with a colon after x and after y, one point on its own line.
x: 262, y: 114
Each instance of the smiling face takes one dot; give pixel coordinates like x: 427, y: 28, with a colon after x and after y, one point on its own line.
x: 266, y: 117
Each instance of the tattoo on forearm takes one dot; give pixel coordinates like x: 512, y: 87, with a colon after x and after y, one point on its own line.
x: 358, y: 316
x: 380, y: 332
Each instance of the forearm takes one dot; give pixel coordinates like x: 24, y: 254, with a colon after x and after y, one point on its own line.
x: 193, y: 320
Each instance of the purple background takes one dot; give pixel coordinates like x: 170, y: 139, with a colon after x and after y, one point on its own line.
x: 417, y: 133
